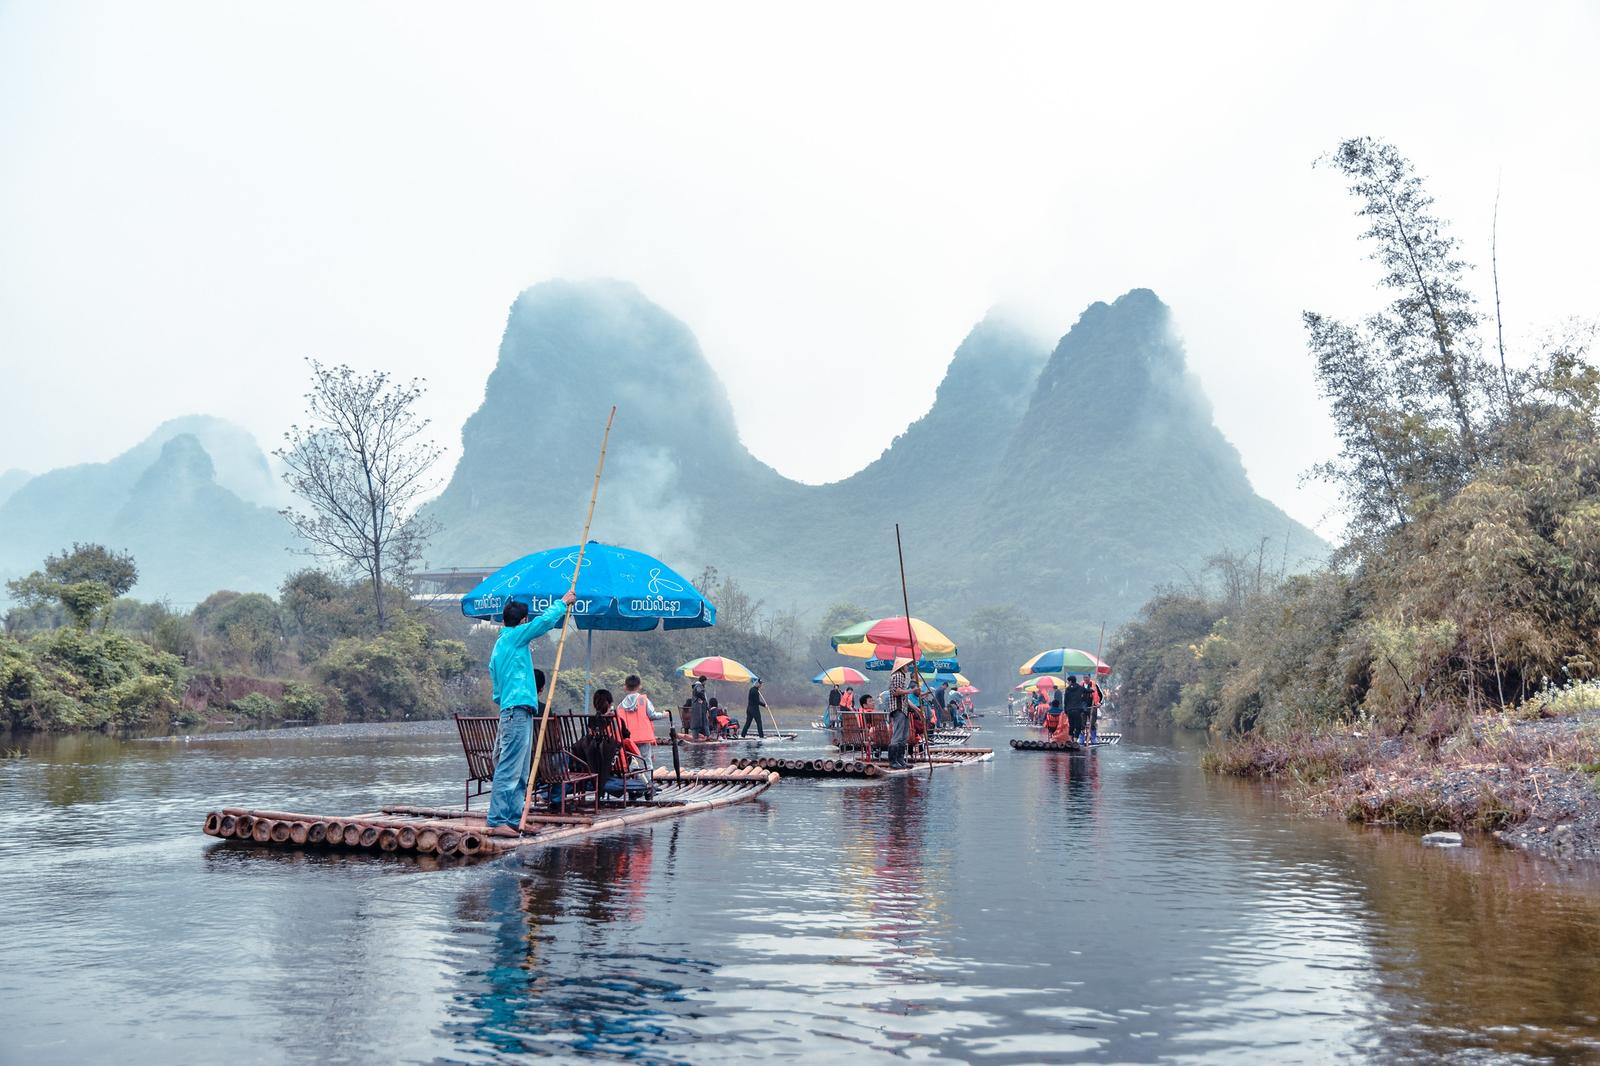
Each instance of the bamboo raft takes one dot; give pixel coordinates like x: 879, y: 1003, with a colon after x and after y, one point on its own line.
x: 717, y: 742
x: 1106, y: 740
x: 864, y: 768
x: 452, y: 832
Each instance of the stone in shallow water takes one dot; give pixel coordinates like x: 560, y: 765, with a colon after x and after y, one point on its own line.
x: 1442, y: 840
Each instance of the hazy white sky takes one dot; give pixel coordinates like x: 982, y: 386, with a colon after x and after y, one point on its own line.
x: 194, y: 196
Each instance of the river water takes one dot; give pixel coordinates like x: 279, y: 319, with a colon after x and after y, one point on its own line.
x: 1121, y: 907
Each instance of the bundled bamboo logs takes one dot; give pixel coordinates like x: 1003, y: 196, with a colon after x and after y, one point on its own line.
x: 1104, y: 740
x: 847, y: 767
x: 814, y: 767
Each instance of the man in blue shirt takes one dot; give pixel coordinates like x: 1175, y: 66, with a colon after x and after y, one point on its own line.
x: 512, y: 682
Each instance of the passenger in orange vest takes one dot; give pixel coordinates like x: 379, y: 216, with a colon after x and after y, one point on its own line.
x: 639, y: 716
x: 721, y: 724
x: 1053, y: 718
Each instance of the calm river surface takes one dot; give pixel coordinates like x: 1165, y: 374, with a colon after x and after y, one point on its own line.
x: 1039, y: 908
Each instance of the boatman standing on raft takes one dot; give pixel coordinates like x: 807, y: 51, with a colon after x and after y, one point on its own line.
x: 511, y: 680
x: 899, y: 714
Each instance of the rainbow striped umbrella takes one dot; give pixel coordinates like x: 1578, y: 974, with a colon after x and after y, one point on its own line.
x: 840, y: 675
x: 1064, y: 661
x: 717, y: 668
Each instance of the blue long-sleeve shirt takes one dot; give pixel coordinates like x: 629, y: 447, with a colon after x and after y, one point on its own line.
x: 510, y: 664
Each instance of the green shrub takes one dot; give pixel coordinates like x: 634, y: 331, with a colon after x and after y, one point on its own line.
x: 257, y: 707
x: 75, y: 679
x: 397, y: 674
x: 142, y: 700
x: 302, y: 703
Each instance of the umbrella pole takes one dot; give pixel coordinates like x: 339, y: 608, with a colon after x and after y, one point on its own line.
x: 916, y: 656
x: 588, y: 658
x: 672, y: 735
x: 561, y: 645
x: 1094, y: 676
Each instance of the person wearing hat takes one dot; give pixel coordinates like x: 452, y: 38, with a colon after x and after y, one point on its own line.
x: 899, y: 714
x: 699, y: 710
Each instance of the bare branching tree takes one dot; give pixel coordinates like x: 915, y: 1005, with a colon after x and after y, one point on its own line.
x: 361, y: 467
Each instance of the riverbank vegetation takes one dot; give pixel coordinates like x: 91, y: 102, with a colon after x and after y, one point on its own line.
x: 1466, y: 596
x: 77, y: 654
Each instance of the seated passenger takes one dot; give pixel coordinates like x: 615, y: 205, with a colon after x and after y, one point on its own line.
x: 601, y: 745
x: 1052, y: 718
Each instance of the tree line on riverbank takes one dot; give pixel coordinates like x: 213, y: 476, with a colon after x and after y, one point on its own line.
x: 1469, y: 579
x: 77, y: 653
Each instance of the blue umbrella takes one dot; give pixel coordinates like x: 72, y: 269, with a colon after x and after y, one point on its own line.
x: 619, y: 589
x: 924, y: 666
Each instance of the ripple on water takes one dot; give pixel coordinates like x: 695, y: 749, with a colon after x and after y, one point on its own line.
x: 1122, y: 907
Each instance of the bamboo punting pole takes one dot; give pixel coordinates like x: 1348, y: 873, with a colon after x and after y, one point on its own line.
x: 916, y: 657
x: 561, y: 644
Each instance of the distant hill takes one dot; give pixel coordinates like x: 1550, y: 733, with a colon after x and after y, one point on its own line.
x: 1068, y: 482
x: 193, y: 521
x: 11, y: 481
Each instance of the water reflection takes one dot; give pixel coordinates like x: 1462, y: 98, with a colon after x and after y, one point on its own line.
x: 1113, y: 907
x: 594, y: 996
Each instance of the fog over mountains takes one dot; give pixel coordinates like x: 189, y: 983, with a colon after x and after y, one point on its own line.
x: 195, y: 502
x: 1069, y: 482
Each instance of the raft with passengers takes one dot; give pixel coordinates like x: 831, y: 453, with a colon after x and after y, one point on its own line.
x: 1066, y: 709
x: 549, y: 777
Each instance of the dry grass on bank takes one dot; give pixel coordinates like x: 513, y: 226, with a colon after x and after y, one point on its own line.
x: 1499, y: 773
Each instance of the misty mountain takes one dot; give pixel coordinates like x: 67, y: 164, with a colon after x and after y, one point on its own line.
x: 1068, y: 482
x: 529, y: 451
x: 11, y: 481
x: 191, y: 519
x: 1119, y: 475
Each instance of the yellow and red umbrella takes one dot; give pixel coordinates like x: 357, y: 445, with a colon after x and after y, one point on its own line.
x: 840, y: 675
x: 893, y: 638
x: 1045, y: 684
x: 717, y: 668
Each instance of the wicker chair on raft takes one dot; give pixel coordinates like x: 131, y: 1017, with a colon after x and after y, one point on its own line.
x: 564, y: 765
